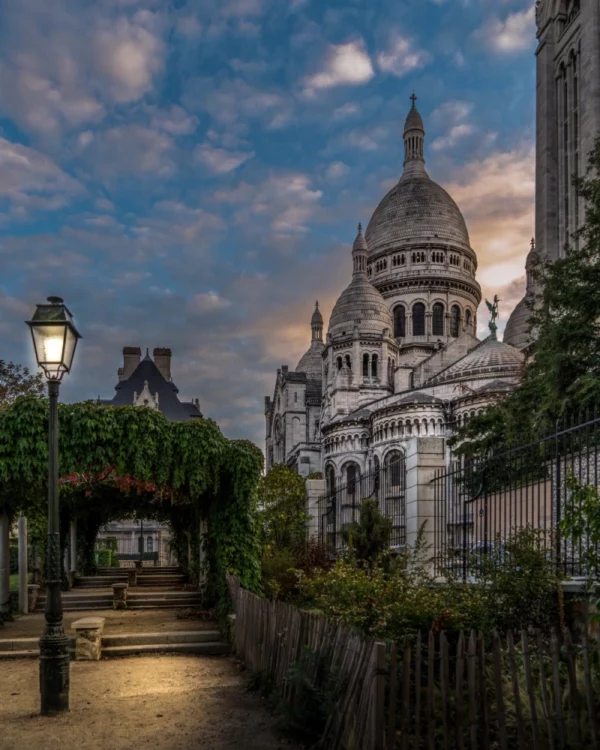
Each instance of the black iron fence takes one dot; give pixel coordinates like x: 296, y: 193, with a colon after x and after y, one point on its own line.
x: 479, y: 505
x: 340, y: 507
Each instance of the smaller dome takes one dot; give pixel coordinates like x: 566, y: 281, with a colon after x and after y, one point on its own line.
x: 317, y: 318
x: 311, y: 361
x: 518, y: 330
x: 414, y: 121
x: 490, y: 358
x: 360, y: 243
x: 362, y: 305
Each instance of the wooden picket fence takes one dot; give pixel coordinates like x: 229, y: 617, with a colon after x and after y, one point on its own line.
x: 529, y: 692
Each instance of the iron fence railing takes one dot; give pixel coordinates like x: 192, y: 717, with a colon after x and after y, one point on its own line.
x: 479, y: 505
x: 341, y: 506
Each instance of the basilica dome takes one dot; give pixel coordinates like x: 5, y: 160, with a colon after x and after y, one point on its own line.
x: 415, y: 208
x: 360, y: 304
x: 311, y: 361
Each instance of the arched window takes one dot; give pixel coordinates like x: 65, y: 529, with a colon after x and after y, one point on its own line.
x: 330, y: 479
x: 468, y: 319
x: 376, y: 477
x: 339, y: 363
x: 374, y: 363
x: 348, y: 362
x: 365, y: 365
x: 418, y: 319
x: 437, y: 320
x: 351, y: 478
x: 455, y: 321
x: 150, y: 544
x: 394, y: 469
x: 399, y: 322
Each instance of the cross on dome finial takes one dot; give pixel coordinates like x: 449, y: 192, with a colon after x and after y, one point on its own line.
x: 414, y: 100
x: 532, y: 246
x: 359, y: 227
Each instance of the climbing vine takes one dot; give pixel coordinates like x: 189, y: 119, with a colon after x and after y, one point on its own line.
x: 115, y: 463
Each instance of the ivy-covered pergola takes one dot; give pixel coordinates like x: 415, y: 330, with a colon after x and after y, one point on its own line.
x: 119, y: 461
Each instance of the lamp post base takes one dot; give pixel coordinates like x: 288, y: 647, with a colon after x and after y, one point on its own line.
x: 54, y: 674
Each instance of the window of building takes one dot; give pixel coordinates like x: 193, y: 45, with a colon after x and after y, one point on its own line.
x: 365, y: 365
x: 150, y: 544
x: 330, y: 479
x: 348, y: 362
x: 468, y: 319
x: 399, y: 321
x: 340, y: 363
x: 455, y: 321
x: 351, y: 480
x: 394, y: 469
x: 418, y: 319
x: 437, y: 319
x: 374, y: 363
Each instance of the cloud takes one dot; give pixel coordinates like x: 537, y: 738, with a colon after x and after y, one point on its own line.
x: 62, y: 67
x: 219, y: 160
x: 452, y: 113
x: 174, y: 121
x: 130, y: 53
x: 336, y: 170
x: 287, y: 202
x: 513, y: 34
x: 496, y: 195
x: 130, y: 150
x: 208, y: 302
x: 31, y: 179
x: 344, y: 65
x: 401, y: 57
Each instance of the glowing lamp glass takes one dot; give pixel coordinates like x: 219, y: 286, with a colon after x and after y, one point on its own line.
x: 54, y: 338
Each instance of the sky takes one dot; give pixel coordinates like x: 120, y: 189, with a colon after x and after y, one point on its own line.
x: 190, y: 173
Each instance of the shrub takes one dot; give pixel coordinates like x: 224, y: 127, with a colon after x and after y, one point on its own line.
x: 368, y: 539
x: 106, y: 558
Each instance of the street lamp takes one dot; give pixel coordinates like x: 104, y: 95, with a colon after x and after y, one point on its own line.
x: 54, y: 340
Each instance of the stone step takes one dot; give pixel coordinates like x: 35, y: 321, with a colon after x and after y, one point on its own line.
x: 210, y: 648
x: 25, y: 648
x: 146, y: 571
x: 133, y: 594
x: 164, y: 605
x: 149, y: 639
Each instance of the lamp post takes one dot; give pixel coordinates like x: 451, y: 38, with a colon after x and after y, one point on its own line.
x: 54, y: 340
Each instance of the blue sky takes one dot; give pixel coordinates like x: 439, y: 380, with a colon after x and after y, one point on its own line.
x: 190, y: 174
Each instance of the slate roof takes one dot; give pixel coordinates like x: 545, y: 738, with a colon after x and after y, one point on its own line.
x: 168, y: 401
x: 490, y: 357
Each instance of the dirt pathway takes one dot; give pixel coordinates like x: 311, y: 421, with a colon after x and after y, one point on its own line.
x: 160, y: 702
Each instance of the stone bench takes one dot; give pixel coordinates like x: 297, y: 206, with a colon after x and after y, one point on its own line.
x: 88, y: 638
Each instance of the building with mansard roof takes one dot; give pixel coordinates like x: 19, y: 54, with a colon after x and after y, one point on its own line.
x: 401, y: 358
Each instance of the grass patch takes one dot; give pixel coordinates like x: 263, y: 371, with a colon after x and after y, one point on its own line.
x: 14, y: 581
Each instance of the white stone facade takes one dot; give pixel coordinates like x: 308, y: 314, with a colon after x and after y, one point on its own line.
x: 401, y: 364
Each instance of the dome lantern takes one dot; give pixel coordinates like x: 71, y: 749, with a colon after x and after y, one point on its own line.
x: 414, y: 138
x: 316, y: 324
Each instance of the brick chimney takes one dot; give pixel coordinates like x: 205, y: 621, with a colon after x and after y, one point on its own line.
x: 162, y: 359
x: 131, y: 359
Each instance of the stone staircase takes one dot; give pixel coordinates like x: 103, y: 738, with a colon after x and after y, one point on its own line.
x: 149, y: 577
x: 205, y: 642
x: 80, y: 602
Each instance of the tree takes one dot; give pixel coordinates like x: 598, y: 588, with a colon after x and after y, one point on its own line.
x: 282, y: 504
x: 16, y: 380
x: 563, y: 376
x: 369, y: 538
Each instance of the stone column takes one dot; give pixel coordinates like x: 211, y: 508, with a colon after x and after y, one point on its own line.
x: 73, y: 541
x: 119, y: 595
x: 315, y: 488
x: 423, y: 457
x: 23, y: 570
x: 4, y: 567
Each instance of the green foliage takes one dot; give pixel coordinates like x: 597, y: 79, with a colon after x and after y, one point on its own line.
x: 581, y: 523
x: 564, y: 374
x: 117, y: 462
x: 368, y: 539
x: 282, y: 503
x: 521, y: 587
x: 15, y: 381
x: 519, y: 591
x: 106, y: 558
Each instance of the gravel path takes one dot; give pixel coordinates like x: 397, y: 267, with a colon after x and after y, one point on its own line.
x: 160, y: 702
x: 117, y: 622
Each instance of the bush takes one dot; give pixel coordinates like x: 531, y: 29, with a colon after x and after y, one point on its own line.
x: 106, y: 558
x: 282, y: 568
